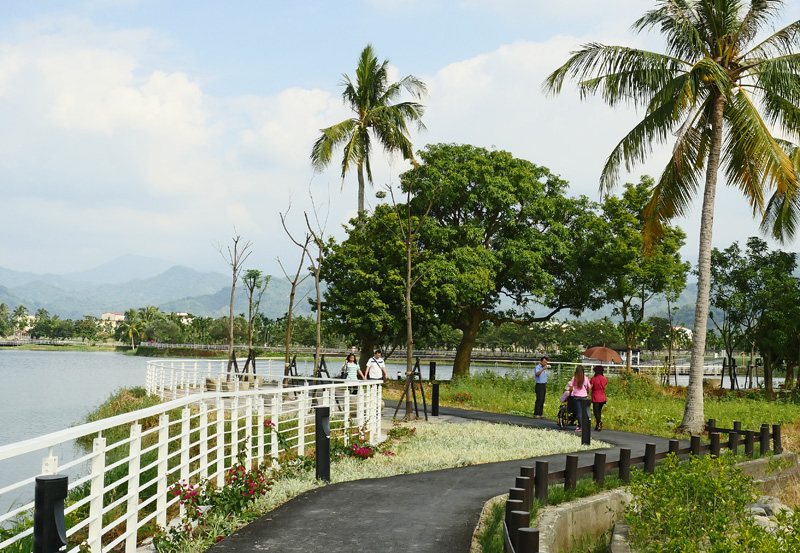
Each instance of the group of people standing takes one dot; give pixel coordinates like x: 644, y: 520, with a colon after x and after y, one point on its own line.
x: 374, y: 370
x: 579, y: 387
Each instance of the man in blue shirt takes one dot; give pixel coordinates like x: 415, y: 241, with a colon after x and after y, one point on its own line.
x: 541, y: 387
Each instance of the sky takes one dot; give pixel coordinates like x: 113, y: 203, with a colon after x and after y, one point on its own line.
x: 163, y: 128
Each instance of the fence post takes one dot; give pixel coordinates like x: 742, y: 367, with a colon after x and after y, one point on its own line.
x: 695, y: 445
x: 260, y: 428
x: 599, y: 469
x: 650, y: 457
x: 220, y: 456
x: 131, y: 517
x: 541, y: 480
x: 764, y: 439
x: 96, y: 494
x: 571, y: 472
x: 776, y: 439
x: 749, y: 436
x: 625, y: 465
x: 674, y: 446
x: 526, y: 484
x: 511, y: 505
x: 248, y: 430
x: 519, y: 519
x: 203, y: 436
x: 434, y: 396
x: 712, y: 425
x: 733, y: 442
x: 162, y: 466
x: 715, y: 447
x: 528, y: 540
x: 301, y: 421
x: 432, y: 371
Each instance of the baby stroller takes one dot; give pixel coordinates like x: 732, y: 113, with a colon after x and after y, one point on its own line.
x: 563, y: 411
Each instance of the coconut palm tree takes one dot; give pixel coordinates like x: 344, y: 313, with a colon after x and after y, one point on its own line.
x: 718, y: 93
x: 132, y: 327
x: 371, y: 97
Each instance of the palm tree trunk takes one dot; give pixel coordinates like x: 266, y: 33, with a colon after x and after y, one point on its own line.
x: 693, y: 415
x: 360, y: 187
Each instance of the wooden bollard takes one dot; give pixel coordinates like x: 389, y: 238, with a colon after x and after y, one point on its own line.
x: 733, y: 442
x: 777, y: 448
x: 674, y: 446
x: 763, y: 439
x: 749, y: 440
x: 737, y: 426
x: 528, y: 540
x: 650, y: 458
x: 541, y: 481
x: 599, y: 469
x: 512, y: 505
x: 571, y: 472
x: 712, y: 425
x: 519, y: 519
x: 625, y: 465
x: 695, y: 445
x: 526, y: 484
x: 715, y: 447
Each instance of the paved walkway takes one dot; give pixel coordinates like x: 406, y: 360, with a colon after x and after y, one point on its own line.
x: 432, y: 512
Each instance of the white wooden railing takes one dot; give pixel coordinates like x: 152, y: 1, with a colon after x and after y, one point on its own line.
x: 115, y: 489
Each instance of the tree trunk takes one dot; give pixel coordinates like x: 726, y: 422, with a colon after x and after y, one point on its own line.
x: 464, y: 350
x: 693, y: 415
x: 409, y: 339
x: 360, y: 173
x: 367, y: 349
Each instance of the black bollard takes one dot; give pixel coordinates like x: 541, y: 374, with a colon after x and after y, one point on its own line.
x: 763, y: 439
x: 541, y: 481
x: 435, y: 400
x: 695, y: 445
x: 650, y: 457
x: 715, y: 447
x: 526, y: 484
x: 49, y: 528
x: 528, y: 540
x: 749, y: 439
x: 733, y: 442
x: 586, y: 421
x: 777, y: 448
x: 432, y: 373
x: 571, y: 472
x: 518, y: 519
x: 674, y: 446
x: 599, y: 469
x: 322, y: 433
x: 625, y: 465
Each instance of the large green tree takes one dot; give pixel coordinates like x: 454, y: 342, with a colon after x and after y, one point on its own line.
x: 633, y: 279
x: 376, y: 115
x: 717, y: 93
x: 505, y: 243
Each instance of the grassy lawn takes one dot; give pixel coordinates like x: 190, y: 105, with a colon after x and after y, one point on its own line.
x: 635, y: 403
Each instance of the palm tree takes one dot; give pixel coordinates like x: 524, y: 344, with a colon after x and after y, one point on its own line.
x: 133, y: 326
x: 371, y: 98
x: 718, y: 94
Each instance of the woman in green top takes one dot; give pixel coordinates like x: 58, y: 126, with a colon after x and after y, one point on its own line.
x: 350, y: 367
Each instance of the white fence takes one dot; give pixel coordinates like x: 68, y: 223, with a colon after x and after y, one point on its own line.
x: 117, y: 488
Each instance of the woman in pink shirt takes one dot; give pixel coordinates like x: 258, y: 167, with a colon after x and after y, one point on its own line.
x: 598, y: 384
x: 579, y: 388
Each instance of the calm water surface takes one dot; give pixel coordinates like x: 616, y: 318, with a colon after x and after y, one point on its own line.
x: 47, y: 391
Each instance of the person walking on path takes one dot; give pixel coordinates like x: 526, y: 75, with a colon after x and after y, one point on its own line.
x: 598, y: 384
x: 579, y: 389
x: 350, y: 367
x: 541, y: 387
x: 376, y: 367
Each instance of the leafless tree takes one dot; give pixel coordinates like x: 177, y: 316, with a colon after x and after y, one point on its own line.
x: 317, y: 232
x: 294, y: 281
x: 256, y: 283
x: 235, y: 257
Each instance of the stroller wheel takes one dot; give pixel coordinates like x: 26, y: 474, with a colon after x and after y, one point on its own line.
x: 562, y: 417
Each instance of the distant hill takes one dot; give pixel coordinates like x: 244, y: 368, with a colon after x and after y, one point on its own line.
x: 122, y: 269
x: 175, y: 289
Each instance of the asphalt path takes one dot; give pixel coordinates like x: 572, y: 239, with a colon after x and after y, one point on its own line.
x: 430, y: 512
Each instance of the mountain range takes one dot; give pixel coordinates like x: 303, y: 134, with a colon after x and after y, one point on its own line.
x: 136, y: 281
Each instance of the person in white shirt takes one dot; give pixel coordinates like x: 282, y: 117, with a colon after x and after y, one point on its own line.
x: 376, y: 367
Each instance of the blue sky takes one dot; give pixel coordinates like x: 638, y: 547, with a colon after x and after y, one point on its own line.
x: 155, y: 127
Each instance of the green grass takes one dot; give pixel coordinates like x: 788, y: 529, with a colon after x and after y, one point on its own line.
x: 635, y: 403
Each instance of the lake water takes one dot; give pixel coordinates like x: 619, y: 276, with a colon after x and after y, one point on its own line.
x: 47, y: 391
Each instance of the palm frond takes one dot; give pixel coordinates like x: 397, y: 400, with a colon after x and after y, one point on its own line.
x: 673, y: 193
x: 619, y: 73
x: 754, y: 160
x: 760, y: 14
x: 782, y: 42
x: 680, y: 23
x: 331, y: 137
